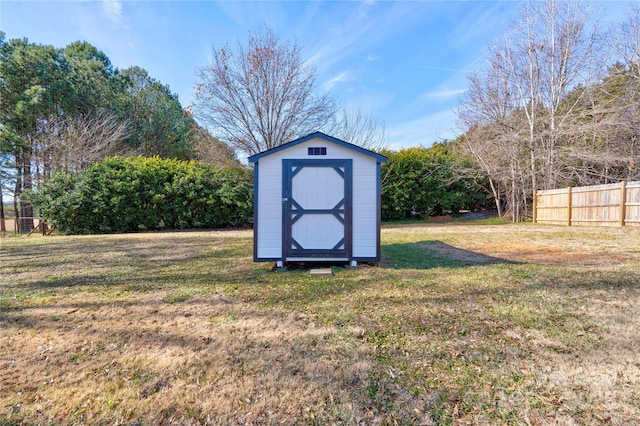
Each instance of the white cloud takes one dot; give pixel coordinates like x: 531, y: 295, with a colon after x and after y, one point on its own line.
x: 252, y: 14
x: 105, y: 25
x: 371, y: 58
x: 343, y: 77
x: 112, y: 9
x: 360, y: 29
x: 457, y: 70
x: 444, y: 94
x: 481, y: 21
x: 424, y: 130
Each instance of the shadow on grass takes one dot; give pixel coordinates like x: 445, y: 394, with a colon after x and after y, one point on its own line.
x: 149, y: 264
x: 130, y: 251
x: 138, y: 281
x: 433, y: 254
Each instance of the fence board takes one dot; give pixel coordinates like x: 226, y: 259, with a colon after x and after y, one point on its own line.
x: 632, y: 204
x: 11, y: 228
x: 616, y: 204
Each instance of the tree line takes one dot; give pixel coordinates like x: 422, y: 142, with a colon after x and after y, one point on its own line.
x: 134, y: 194
x: 63, y: 109
x: 557, y: 104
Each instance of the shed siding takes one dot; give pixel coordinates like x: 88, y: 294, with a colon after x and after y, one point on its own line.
x: 270, y: 208
x: 269, y: 243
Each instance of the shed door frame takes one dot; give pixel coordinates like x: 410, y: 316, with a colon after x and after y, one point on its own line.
x: 292, y: 211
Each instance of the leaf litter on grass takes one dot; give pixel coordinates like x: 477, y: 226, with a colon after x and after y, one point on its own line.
x: 184, y: 328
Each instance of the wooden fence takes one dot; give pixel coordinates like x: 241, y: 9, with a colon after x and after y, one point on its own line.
x: 13, y: 227
x: 616, y: 204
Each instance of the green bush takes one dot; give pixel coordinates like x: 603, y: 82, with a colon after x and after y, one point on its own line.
x: 137, y: 193
x: 420, y: 182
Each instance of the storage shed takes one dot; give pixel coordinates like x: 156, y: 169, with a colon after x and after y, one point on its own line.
x: 317, y: 199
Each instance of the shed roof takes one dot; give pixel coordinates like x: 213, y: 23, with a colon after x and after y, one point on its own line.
x: 380, y: 158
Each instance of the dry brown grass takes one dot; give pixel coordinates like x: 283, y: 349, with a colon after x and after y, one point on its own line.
x: 119, y: 337
x: 461, y: 324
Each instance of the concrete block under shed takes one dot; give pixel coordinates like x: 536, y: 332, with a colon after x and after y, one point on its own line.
x: 321, y: 271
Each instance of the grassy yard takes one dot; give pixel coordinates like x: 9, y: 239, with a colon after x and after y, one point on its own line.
x: 468, y: 323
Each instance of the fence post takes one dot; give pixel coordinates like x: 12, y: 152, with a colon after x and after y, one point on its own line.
x: 569, y: 206
x: 535, y: 206
x: 623, y: 202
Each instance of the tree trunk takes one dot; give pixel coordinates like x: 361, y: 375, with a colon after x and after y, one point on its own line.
x: 514, y: 201
x: 16, y: 211
x: 3, y: 226
x: 24, y: 212
x: 496, y: 197
x: 25, y: 206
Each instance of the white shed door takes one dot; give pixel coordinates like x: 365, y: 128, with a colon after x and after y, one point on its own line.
x: 317, y: 209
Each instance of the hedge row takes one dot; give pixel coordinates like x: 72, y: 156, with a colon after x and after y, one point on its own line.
x: 137, y: 193
x: 420, y: 182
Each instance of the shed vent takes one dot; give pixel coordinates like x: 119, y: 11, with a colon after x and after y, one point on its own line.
x: 316, y: 150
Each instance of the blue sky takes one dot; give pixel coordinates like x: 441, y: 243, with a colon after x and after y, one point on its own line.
x: 407, y: 62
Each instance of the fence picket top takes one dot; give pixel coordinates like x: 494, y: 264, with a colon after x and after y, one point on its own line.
x: 552, y: 191
x: 574, y: 189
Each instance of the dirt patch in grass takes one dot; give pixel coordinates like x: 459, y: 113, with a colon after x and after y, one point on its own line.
x: 544, y: 252
x: 526, y: 253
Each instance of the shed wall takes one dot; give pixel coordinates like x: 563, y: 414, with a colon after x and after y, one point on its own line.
x: 269, y: 198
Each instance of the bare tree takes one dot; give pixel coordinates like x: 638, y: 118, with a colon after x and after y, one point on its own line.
x: 489, y: 111
x: 210, y: 150
x: 604, y: 144
x: 524, y: 108
x: 476, y: 146
x: 552, y: 49
x: 569, y: 56
x: 359, y: 127
x: 73, y: 144
x: 627, y: 126
x: 261, y: 95
x: 626, y: 41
